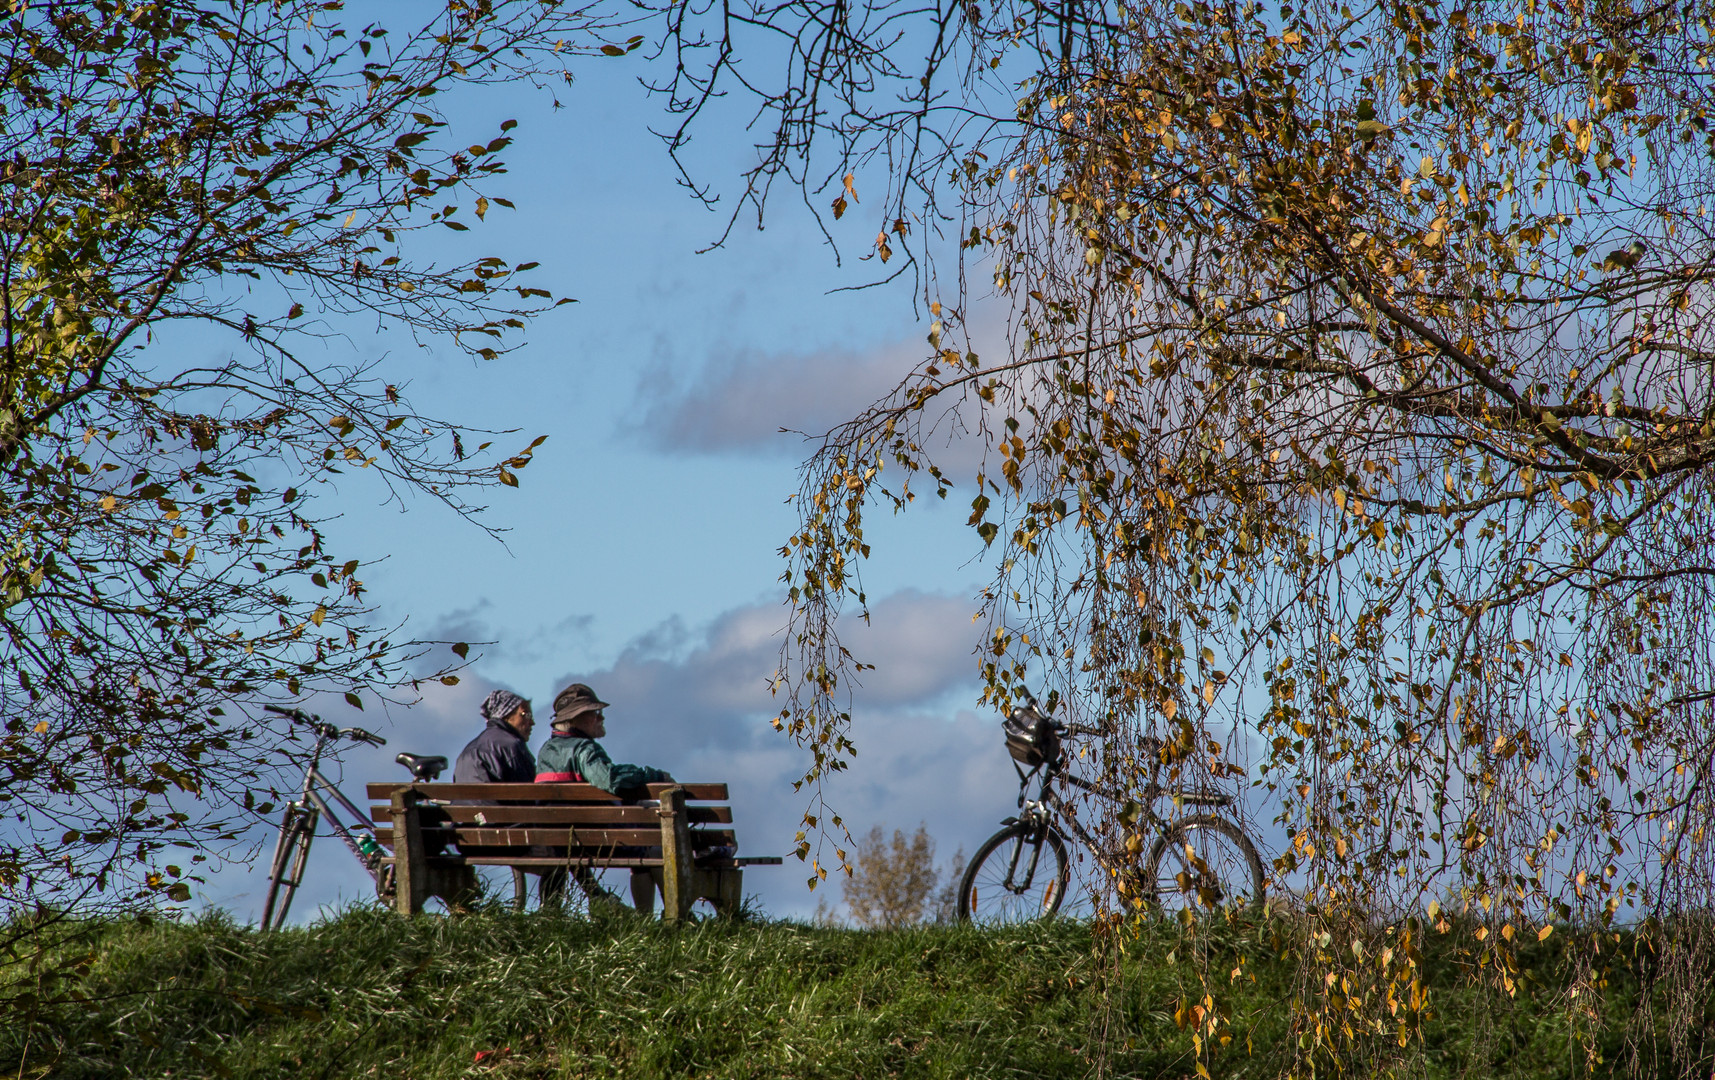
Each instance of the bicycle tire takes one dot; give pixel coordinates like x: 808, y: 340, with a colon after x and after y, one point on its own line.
x: 1226, y: 871
x: 291, y: 854
x: 988, y: 894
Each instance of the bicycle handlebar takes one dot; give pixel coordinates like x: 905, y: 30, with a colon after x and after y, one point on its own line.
x: 325, y: 729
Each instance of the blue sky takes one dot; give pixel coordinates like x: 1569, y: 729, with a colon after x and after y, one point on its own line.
x: 640, y: 552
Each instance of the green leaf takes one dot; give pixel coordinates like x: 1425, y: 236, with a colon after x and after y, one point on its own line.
x: 353, y: 700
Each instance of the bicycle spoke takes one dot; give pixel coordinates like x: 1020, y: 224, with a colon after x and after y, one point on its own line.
x: 1010, y: 881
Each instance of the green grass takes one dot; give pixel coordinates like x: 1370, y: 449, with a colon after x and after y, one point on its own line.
x: 372, y: 994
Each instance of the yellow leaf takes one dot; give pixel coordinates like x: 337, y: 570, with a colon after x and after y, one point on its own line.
x: 318, y: 615
x: 41, y: 727
x: 1542, y: 935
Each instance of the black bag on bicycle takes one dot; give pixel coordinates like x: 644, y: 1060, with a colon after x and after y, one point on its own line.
x: 1030, y: 737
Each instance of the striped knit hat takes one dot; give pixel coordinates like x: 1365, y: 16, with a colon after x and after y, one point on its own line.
x: 500, y: 704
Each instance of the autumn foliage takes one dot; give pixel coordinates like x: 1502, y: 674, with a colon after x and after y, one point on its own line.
x: 1356, y: 431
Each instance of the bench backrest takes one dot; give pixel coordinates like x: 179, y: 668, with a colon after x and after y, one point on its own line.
x: 564, y: 820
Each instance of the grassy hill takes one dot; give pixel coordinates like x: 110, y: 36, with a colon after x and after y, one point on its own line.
x: 371, y: 994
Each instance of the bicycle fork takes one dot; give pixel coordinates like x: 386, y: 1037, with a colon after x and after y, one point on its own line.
x: 293, y: 847
x: 1033, y: 840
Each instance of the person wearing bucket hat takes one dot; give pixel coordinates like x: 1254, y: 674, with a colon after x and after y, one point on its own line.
x: 572, y: 754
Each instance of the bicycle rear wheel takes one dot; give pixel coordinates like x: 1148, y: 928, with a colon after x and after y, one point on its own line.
x: 1204, y: 863
x: 1019, y: 874
x: 291, y: 853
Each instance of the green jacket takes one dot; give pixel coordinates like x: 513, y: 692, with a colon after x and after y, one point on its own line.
x: 573, y: 758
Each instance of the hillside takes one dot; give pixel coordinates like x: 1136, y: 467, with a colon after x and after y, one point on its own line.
x: 370, y: 994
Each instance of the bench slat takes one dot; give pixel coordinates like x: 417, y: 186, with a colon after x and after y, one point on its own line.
x: 383, y: 792
x: 556, y: 815
x: 536, y: 862
x: 590, y: 838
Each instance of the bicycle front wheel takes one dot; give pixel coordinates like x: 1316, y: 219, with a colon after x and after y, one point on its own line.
x: 1019, y: 874
x: 291, y: 854
x: 1204, y: 863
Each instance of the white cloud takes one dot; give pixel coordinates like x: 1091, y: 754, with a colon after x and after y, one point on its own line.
x: 783, y: 402
x: 741, y: 401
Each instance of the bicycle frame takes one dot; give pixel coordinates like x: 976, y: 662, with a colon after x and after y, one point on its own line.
x: 312, y: 803
x: 1049, y: 809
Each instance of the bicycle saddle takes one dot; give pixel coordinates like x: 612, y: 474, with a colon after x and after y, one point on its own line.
x: 423, y: 767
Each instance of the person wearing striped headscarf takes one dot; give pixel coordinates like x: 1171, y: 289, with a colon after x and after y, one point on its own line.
x: 499, y: 755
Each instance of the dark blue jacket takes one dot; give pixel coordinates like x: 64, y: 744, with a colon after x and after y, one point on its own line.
x: 497, y: 756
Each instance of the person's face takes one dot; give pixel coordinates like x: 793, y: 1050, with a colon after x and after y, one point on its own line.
x: 593, y: 724
x: 522, y: 721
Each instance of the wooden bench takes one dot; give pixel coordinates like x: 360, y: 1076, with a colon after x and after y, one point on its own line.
x: 685, y: 845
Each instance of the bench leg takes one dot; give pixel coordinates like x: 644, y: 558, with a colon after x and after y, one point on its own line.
x: 410, y: 872
x: 520, y: 889
x: 643, y: 886
x: 730, y: 887
x: 678, y: 875
x: 457, y: 885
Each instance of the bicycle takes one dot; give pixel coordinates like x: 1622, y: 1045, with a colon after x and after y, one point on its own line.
x: 303, y: 815
x: 1197, y: 861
